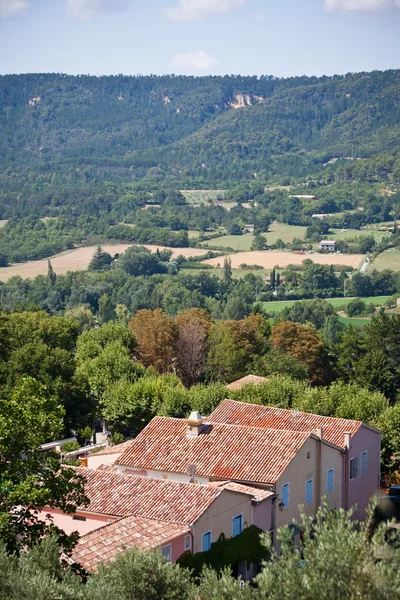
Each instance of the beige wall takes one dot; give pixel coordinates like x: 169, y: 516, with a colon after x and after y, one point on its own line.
x: 299, y: 471
x: 94, y: 461
x: 218, y: 517
x: 182, y: 477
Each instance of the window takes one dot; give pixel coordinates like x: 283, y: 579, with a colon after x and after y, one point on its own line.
x: 364, y: 463
x: 166, y: 552
x: 285, y: 495
x: 206, y: 541
x: 188, y: 542
x: 237, y: 525
x: 309, y: 491
x: 353, y: 467
x: 330, y: 481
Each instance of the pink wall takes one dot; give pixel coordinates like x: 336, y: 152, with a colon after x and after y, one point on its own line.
x: 262, y: 515
x: 177, y: 547
x: 68, y: 524
x: 362, y: 488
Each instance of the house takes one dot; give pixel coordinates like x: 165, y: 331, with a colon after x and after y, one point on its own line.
x: 358, y: 476
x: 107, y: 456
x: 249, y: 228
x: 105, y: 543
x: 327, y: 245
x: 248, y: 380
x: 303, y: 196
x: 286, y: 462
x: 176, y: 515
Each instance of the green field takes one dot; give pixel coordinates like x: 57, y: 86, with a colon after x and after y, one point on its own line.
x: 355, y: 322
x: 277, y: 231
x: 3, y: 222
x: 349, y: 234
x: 202, y: 196
x: 279, y: 305
x: 387, y: 260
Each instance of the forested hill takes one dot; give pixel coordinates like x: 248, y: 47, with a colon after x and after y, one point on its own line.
x: 62, y: 137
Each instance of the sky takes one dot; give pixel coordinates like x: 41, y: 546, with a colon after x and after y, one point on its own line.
x: 199, y: 37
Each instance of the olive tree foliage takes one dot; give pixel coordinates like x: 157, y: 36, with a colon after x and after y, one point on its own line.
x: 337, y: 558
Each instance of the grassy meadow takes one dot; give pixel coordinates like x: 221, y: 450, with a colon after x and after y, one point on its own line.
x: 280, y: 305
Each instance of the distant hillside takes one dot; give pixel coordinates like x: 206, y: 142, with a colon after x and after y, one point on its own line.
x: 63, y: 138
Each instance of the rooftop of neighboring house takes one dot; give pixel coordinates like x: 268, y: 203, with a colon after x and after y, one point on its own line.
x: 258, y: 494
x: 219, y: 451
x: 248, y: 379
x: 116, y: 449
x: 327, y: 243
x: 269, y: 417
x: 120, y: 495
x: 105, y: 543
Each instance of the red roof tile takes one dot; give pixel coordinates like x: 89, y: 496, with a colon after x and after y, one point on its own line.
x: 221, y: 451
x: 268, y: 417
x: 258, y: 494
x: 107, y: 542
x: 248, y: 380
x: 120, y: 495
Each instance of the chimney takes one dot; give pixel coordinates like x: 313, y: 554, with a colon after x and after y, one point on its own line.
x: 320, y: 433
x: 194, y: 424
x: 347, y: 438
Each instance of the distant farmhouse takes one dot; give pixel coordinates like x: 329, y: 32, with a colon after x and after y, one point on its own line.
x: 328, y: 245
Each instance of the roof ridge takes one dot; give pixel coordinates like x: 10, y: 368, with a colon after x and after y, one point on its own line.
x: 289, y: 410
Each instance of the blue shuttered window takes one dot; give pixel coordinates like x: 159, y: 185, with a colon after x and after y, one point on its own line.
x: 309, y: 491
x: 237, y: 525
x: 285, y: 495
x: 330, y: 481
x: 364, y: 463
x: 206, y: 541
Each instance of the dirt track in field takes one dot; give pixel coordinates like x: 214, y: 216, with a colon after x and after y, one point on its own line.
x: 78, y: 260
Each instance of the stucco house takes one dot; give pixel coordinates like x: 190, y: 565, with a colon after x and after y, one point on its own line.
x: 131, y: 510
x: 327, y: 245
x: 285, y: 462
x: 357, y: 478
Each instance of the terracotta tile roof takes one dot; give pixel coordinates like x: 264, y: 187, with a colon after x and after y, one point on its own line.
x: 105, y: 543
x: 121, y: 495
x: 258, y: 494
x: 249, y: 379
x: 221, y: 451
x: 253, y: 415
x: 117, y: 449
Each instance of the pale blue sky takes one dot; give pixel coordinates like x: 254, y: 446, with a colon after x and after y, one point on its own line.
x: 278, y: 37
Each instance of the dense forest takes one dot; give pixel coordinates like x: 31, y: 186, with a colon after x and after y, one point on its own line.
x: 92, y: 145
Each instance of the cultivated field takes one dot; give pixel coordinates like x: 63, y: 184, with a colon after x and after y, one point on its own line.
x: 202, y: 196
x: 387, y: 260
x: 280, y: 305
x: 78, y: 260
x: 349, y: 234
x: 277, y: 231
x: 270, y: 259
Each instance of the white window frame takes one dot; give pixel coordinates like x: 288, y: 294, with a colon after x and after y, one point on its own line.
x: 169, y: 556
x: 365, y: 453
x: 236, y: 517
x: 328, y: 491
x: 185, y: 544
x: 202, y: 536
x: 356, y: 459
x: 288, y: 502
x: 312, y: 491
